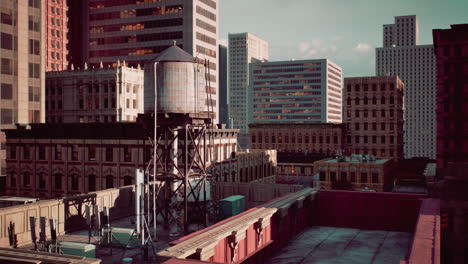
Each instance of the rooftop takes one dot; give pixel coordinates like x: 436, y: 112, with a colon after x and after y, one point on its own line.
x: 325, y: 244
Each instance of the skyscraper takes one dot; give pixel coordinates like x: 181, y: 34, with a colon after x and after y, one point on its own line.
x: 401, y: 55
x: 22, y: 62
x: 244, y: 48
x: 136, y: 31
x: 305, y: 91
x: 223, y: 85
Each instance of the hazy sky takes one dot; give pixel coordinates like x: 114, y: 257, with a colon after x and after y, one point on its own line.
x: 345, y: 31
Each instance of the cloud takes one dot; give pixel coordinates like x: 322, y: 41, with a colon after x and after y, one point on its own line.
x: 363, y: 48
x: 223, y: 41
x: 318, y: 48
x: 303, y: 47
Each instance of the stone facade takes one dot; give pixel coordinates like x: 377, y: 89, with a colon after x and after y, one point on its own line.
x: 245, y: 166
x: 305, y: 138
x: 373, y: 113
x: 57, y: 160
x: 94, y: 95
x: 353, y: 173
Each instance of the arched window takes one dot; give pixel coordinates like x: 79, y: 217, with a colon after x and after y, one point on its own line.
x: 366, y: 100
x: 26, y: 179
x: 128, y: 180
x: 13, y: 179
x: 58, y: 181
x: 349, y: 101
x: 42, y: 180
x: 374, y: 100
x: 109, y: 182
x: 382, y: 100
x: 392, y: 100
x: 91, y: 183
x: 357, y: 88
x: 74, y: 182
x: 356, y: 101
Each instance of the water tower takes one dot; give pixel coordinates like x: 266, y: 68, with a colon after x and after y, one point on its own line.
x: 182, y: 112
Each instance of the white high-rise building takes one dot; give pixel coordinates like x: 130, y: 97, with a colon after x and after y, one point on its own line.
x: 304, y: 91
x: 415, y: 64
x: 244, y: 48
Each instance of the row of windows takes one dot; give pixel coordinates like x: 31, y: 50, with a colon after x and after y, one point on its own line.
x: 206, y: 13
x: 260, y: 138
x: 365, y: 100
x: 138, y: 26
x: 58, y: 152
x: 365, y: 113
x: 344, y: 177
x: 136, y: 38
x: 59, y: 179
x: 365, y: 126
x: 130, y: 51
x: 365, y: 87
x: 365, y: 139
x: 158, y: 10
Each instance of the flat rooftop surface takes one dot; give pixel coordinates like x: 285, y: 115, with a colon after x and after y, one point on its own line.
x: 320, y: 244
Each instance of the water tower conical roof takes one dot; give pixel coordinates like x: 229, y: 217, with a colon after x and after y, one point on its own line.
x: 173, y: 53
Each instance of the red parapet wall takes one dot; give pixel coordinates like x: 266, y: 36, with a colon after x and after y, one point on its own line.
x: 426, y: 242
x: 243, y: 237
x: 367, y: 210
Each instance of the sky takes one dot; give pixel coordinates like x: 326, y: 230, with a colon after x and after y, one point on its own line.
x: 344, y: 31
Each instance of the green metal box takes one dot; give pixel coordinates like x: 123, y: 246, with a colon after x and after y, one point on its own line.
x: 120, y: 237
x: 78, y: 249
x: 231, y: 206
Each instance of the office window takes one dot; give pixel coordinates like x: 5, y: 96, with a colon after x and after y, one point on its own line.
x: 34, y: 47
x: 34, y: 94
x: 6, y: 91
x: 34, y: 70
x: 34, y: 3
x: 6, y: 41
x: 7, y: 66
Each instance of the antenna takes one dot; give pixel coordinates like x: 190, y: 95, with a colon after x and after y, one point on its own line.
x: 42, y: 234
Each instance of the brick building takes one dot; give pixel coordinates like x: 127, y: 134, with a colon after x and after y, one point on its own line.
x: 94, y: 95
x: 56, y: 35
x: 56, y: 160
x: 373, y: 113
x: 355, y: 173
x: 451, y: 49
x: 304, y: 138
